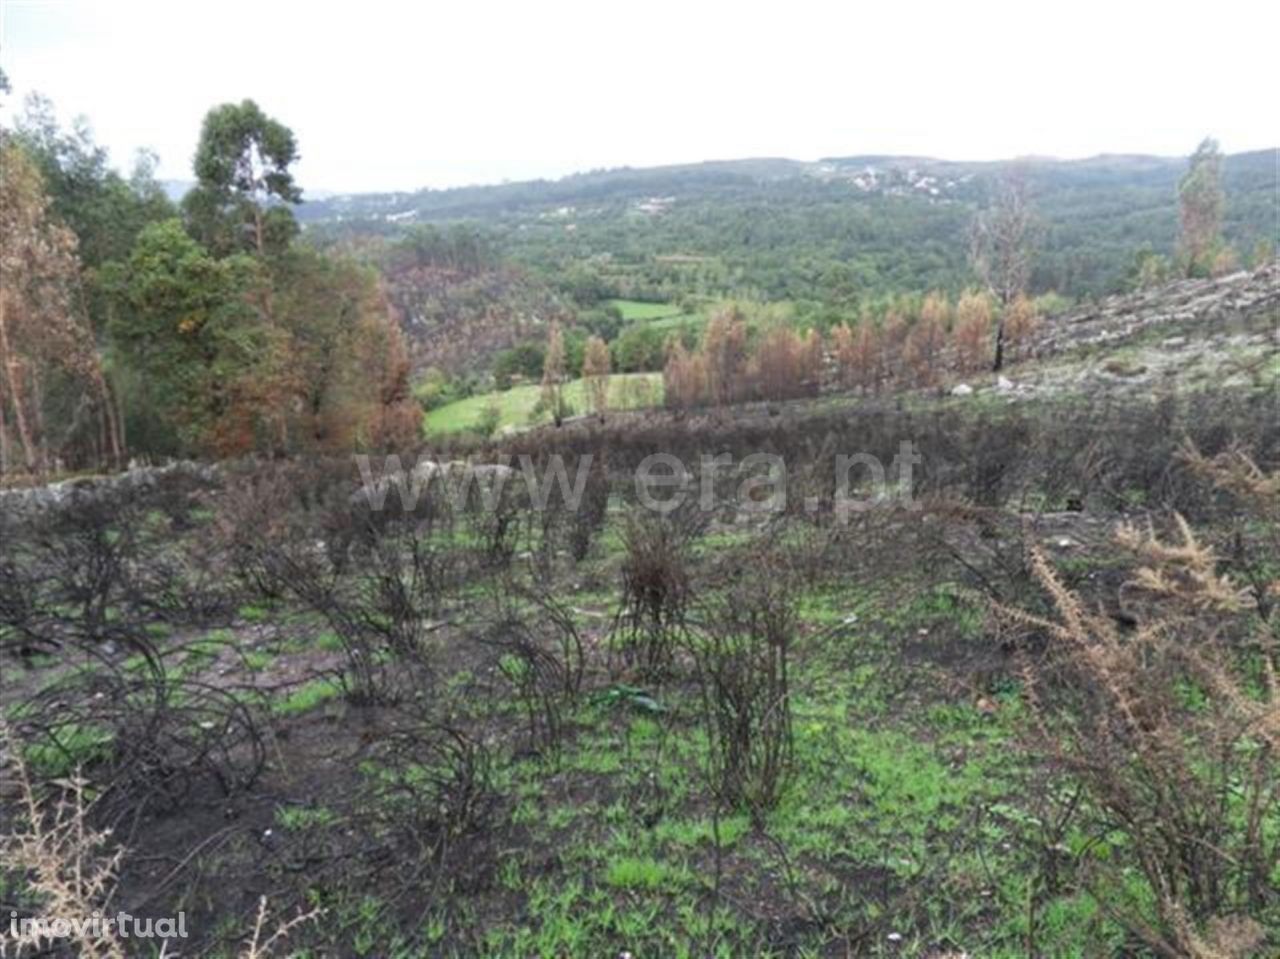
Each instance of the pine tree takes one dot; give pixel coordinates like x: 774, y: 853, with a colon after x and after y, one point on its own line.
x: 553, y: 367
x: 595, y: 374
x: 972, y: 335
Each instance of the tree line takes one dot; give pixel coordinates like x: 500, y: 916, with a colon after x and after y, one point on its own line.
x: 130, y: 325
x: 133, y: 326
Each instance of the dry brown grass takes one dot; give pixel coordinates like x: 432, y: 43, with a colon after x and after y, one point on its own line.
x: 261, y: 948
x: 1172, y: 726
x: 64, y: 861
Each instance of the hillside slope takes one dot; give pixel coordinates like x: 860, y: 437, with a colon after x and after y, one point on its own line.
x: 835, y: 231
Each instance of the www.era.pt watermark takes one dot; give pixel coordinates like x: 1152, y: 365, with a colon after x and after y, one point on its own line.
x: 663, y: 482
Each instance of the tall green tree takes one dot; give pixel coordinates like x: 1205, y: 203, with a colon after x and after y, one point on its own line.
x: 181, y: 321
x: 244, y: 184
x: 105, y: 210
x: 1200, y: 202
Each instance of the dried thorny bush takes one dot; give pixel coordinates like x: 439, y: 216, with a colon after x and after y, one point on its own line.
x: 70, y: 868
x: 261, y: 944
x: 1172, y: 728
x: 1253, y: 523
x: 742, y: 653
x: 58, y: 855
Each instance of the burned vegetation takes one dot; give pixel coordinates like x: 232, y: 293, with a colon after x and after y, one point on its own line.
x: 1027, y: 706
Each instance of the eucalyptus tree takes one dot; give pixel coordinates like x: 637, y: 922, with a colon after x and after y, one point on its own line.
x: 244, y: 185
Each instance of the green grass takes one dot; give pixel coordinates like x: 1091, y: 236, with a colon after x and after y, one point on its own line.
x: 658, y: 316
x: 516, y: 404
x: 67, y: 747
x: 255, y: 613
x: 329, y: 641
x: 258, y: 660
x: 301, y: 818
x: 307, y: 697
x: 641, y: 872
x: 679, y: 322
x: 691, y: 833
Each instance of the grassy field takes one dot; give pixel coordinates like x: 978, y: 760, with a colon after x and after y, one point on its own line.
x: 658, y: 316
x: 635, y: 310
x: 516, y: 405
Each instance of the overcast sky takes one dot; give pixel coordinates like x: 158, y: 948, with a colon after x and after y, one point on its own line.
x: 444, y: 92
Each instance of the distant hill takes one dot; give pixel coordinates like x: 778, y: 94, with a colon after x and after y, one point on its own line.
x: 836, y: 230
x: 872, y: 173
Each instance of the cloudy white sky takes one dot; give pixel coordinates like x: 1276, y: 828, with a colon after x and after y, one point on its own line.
x: 400, y: 95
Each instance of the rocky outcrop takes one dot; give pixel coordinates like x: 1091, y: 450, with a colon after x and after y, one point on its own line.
x: 459, y: 475
x: 1244, y: 299
x: 139, y: 481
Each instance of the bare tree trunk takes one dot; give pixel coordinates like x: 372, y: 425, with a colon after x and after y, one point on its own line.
x: 1001, y: 247
x: 13, y: 372
x: 122, y: 441
x: 111, y: 438
x: 4, y: 435
x: 37, y: 417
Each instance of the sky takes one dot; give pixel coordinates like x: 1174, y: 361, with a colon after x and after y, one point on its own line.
x: 436, y: 93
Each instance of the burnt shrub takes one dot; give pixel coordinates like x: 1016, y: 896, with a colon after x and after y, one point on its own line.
x: 742, y: 653
x: 533, y: 647
x: 380, y: 579
x: 588, y: 518
x: 429, y: 785
x: 140, y: 731
x: 657, y: 588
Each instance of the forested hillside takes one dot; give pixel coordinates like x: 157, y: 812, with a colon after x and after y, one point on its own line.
x: 838, y: 231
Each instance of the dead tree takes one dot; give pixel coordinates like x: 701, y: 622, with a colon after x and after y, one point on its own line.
x: 1002, y: 247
